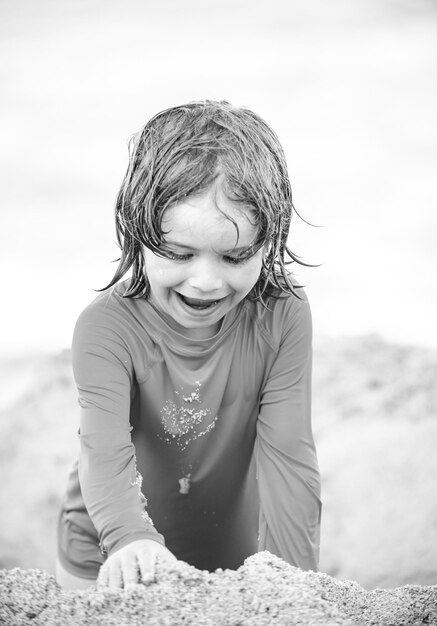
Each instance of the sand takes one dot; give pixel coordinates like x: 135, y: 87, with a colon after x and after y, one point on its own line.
x: 265, y: 590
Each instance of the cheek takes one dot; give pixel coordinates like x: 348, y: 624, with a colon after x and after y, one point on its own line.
x: 166, y: 277
x: 247, y: 276
x: 160, y: 273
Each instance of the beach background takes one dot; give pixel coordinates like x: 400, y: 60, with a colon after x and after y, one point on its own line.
x: 350, y: 88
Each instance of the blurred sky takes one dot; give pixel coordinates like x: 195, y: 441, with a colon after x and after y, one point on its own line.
x: 349, y: 86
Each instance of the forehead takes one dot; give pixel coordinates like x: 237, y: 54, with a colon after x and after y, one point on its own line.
x: 209, y: 219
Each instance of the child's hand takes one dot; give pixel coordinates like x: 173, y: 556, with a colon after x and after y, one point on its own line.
x: 133, y: 564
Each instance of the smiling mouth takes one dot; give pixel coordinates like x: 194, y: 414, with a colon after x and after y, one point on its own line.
x: 197, y: 303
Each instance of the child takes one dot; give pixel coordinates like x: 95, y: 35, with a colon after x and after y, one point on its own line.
x: 194, y: 374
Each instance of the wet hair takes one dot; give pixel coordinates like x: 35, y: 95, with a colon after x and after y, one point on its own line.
x: 185, y: 150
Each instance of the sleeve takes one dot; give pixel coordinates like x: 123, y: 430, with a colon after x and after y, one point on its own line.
x: 110, y: 483
x: 287, y: 467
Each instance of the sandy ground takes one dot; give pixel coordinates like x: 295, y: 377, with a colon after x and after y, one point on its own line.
x: 265, y: 590
x: 375, y: 424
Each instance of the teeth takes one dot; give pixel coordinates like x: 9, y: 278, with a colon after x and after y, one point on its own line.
x: 198, y: 304
x: 201, y: 306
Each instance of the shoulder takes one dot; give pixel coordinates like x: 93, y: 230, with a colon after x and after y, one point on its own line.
x: 109, y: 325
x: 284, y: 315
x: 117, y: 329
x: 109, y: 309
x: 108, y: 339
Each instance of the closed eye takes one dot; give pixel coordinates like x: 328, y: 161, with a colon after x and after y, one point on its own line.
x: 177, y: 257
x: 237, y: 260
x: 243, y: 257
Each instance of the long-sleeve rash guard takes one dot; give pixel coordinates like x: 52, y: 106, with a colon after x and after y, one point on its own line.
x: 217, y: 430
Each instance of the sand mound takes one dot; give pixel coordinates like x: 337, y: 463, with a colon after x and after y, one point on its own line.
x: 265, y: 590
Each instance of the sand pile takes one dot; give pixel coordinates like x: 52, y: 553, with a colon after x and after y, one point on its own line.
x: 265, y: 590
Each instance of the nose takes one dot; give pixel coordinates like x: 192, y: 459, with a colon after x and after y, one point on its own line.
x: 206, y: 276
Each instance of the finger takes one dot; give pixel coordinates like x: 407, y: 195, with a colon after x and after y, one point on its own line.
x: 146, y: 564
x: 130, y: 573
x: 115, y: 579
x: 168, y: 557
x: 103, y: 578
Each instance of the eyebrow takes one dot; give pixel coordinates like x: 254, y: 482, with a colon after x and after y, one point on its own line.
x: 187, y: 247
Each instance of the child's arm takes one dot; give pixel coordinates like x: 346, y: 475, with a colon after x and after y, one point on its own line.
x: 110, y: 485
x: 287, y: 468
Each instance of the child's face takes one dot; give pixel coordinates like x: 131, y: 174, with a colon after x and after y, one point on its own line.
x: 203, y: 276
